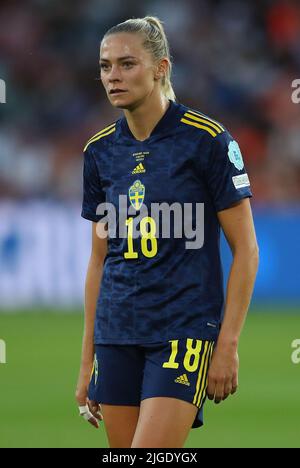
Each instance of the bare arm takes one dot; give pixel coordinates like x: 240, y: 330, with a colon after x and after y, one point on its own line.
x: 237, y: 224
x: 92, y: 285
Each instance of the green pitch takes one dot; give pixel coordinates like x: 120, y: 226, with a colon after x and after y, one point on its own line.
x: 37, y: 386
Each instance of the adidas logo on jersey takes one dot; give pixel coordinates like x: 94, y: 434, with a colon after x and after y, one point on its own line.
x: 182, y: 379
x: 139, y: 169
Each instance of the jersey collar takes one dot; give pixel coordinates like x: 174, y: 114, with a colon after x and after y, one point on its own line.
x: 167, y: 121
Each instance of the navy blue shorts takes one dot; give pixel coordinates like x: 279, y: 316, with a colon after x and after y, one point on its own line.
x: 127, y: 374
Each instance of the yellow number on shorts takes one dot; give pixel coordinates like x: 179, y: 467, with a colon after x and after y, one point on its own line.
x: 146, y: 237
x: 192, y: 352
x: 171, y: 364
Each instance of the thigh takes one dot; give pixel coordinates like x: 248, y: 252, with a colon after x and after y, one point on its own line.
x: 120, y: 424
x: 163, y: 422
x: 174, y: 383
x: 116, y: 383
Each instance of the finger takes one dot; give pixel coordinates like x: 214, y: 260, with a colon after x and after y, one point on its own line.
x: 227, y: 389
x: 97, y: 414
x: 93, y: 421
x: 211, y: 387
x: 87, y: 415
x: 95, y: 409
x: 210, y: 391
x: 235, y: 384
x: 219, y: 392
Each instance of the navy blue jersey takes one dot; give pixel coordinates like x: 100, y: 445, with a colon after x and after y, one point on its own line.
x: 153, y: 287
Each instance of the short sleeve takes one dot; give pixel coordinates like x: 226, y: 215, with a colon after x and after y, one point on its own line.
x: 225, y: 172
x: 93, y: 193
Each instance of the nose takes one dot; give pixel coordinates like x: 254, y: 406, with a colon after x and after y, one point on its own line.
x: 114, y: 74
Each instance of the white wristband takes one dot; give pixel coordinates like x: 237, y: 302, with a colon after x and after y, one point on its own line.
x: 85, y: 412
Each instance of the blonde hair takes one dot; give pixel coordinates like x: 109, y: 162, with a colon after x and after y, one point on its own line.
x: 155, y: 42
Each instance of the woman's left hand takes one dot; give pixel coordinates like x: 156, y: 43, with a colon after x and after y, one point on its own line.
x: 223, y: 373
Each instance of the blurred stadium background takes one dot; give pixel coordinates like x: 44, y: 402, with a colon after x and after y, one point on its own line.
x: 233, y: 60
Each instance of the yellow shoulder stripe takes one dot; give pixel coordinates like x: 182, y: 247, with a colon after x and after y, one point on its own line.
x: 203, y: 120
x: 101, y: 134
x: 208, y: 119
x: 101, y: 131
x: 195, y: 124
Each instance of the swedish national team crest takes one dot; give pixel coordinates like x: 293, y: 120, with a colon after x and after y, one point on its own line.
x: 235, y: 155
x: 137, y: 194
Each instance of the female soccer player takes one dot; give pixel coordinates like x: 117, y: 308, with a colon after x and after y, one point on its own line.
x: 157, y: 332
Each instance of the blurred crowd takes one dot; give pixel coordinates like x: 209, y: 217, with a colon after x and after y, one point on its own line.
x: 234, y: 60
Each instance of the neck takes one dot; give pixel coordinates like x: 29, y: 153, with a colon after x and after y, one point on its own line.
x: 142, y: 120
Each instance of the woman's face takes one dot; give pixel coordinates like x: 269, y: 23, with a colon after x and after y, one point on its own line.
x: 127, y: 66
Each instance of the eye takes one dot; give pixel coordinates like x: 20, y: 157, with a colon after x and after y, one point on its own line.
x: 103, y: 66
x: 128, y: 64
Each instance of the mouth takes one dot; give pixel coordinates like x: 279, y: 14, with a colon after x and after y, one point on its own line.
x: 117, y: 91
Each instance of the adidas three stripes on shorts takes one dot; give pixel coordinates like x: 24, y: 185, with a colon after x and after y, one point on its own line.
x: 127, y: 374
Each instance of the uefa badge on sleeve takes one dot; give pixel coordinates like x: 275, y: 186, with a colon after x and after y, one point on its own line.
x: 235, y: 155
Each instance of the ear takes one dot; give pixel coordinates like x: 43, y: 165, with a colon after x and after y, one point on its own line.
x: 161, y: 69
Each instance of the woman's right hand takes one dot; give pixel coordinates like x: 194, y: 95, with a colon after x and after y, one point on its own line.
x: 89, y: 409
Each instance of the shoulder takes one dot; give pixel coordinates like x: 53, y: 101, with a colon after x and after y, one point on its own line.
x: 213, y: 139
x: 104, y: 134
x: 202, y: 124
